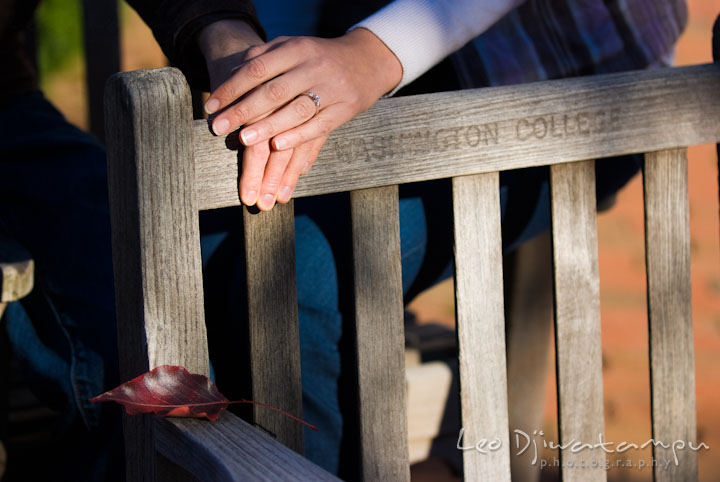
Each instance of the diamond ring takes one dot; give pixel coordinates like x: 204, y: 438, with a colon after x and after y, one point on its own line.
x: 315, y: 98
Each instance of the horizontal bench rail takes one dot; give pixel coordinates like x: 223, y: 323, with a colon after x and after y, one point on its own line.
x: 231, y: 450
x: 433, y: 136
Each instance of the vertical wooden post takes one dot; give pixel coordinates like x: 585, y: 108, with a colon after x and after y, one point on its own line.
x: 380, y: 334
x: 479, y: 308
x: 577, y: 320
x: 273, y: 320
x: 672, y: 361
x: 156, y: 238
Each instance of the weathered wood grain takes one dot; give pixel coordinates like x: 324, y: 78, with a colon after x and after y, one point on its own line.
x: 529, y: 308
x: 672, y: 364
x: 101, y: 40
x: 481, y: 132
x: 232, y: 450
x: 156, y: 237
x: 17, y: 271
x: 577, y: 319
x: 449, y: 134
x: 273, y: 320
x: 380, y: 334
x: 479, y: 308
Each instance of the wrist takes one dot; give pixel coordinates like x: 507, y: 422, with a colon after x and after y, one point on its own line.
x: 226, y: 37
x: 384, y: 64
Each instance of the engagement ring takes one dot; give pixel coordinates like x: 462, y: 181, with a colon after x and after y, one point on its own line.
x: 315, y: 98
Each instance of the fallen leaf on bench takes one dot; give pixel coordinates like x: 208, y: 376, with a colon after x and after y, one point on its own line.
x: 172, y: 391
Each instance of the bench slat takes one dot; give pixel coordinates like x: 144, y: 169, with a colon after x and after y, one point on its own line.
x: 380, y: 334
x: 230, y: 449
x: 481, y: 326
x: 273, y: 321
x: 156, y: 237
x: 667, y: 248
x: 397, y: 141
x: 577, y: 318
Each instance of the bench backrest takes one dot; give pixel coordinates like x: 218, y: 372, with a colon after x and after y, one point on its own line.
x: 164, y: 168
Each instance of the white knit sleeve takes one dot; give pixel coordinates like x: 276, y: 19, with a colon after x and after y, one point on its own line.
x: 423, y: 32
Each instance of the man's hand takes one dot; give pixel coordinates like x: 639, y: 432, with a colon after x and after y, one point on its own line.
x: 225, y: 45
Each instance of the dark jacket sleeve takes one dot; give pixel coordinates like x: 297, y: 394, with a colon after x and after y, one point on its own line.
x: 175, y: 23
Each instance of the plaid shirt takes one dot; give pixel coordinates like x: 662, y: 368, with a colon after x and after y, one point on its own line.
x: 549, y: 39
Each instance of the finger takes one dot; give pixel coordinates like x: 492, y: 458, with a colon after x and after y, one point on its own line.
x: 320, y: 125
x: 255, y: 158
x: 264, y: 62
x: 224, y: 69
x: 276, y: 165
x: 262, y: 100
x: 302, y: 159
x: 316, y: 146
x: 298, y: 111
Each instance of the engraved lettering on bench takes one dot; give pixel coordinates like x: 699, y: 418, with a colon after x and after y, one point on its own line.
x: 563, y: 126
x: 406, y: 144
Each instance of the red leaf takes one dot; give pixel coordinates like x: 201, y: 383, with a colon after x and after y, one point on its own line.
x: 172, y: 391
x: 169, y: 391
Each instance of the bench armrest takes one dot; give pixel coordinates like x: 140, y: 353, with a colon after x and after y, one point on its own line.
x: 230, y: 449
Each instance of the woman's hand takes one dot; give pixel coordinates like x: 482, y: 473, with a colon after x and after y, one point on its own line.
x: 284, y: 129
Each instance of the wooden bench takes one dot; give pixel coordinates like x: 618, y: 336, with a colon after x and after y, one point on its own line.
x: 164, y: 168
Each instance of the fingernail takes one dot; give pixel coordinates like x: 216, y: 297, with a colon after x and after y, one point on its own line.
x: 221, y: 126
x: 280, y: 144
x: 306, y: 168
x: 268, y: 200
x: 248, y: 135
x: 251, y: 198
x: 212, y: 105
x: 285, y: 193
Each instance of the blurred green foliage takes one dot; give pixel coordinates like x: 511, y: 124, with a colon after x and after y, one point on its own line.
x: 59, y: 34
